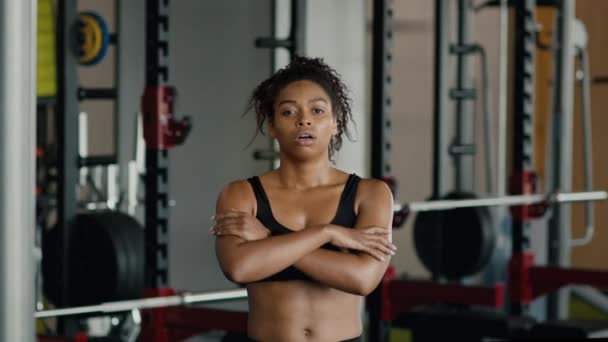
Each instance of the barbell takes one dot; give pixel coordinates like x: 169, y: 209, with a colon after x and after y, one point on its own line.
x: 439, y: 205
x: 146, y: 303
x: 512, y: 200
x: 402, y: 211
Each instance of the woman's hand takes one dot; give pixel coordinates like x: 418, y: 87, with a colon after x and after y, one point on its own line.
x: 240, y: 224
x: 372, y: 240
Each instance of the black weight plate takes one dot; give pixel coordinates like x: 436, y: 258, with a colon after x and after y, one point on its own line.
x: 50, y: 264
x: 454, y: 243
x: 106, y: 259
x: 129, y: 238
x: 97, y: 261
x: 133, y: 250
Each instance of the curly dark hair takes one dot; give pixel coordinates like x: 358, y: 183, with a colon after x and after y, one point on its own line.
x: 310, y: 69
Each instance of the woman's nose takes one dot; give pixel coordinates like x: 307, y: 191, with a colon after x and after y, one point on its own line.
x: 304, y: 122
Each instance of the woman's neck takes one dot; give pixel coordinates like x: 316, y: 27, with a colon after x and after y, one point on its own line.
x: 305, y: 175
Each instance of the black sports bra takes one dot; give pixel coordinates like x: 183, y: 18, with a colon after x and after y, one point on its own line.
x: 345, y: 216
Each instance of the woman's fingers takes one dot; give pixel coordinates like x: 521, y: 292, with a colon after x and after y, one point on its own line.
x: 388, y: 243
x: 229, y: 231
x: 226, y: 214
x: 222, y: 227
x: 382, y: 248
x: 376, y: 231
x: 227, y: 220
x: 374, y: 253
x: 383, y: 241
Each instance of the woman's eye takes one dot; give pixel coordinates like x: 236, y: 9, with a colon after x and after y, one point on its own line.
x: 287, y: 112
x: 318, y: 111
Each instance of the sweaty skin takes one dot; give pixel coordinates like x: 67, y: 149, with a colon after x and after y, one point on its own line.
x: 304, y: 193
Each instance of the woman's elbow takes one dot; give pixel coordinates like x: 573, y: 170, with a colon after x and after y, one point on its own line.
x: 365, y: 288
x: 236, y: 272
x: 237, y: 278
x: 366, y: 283
x: 359, y: 289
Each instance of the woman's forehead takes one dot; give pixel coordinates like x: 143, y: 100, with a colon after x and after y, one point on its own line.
x: 303, y: 90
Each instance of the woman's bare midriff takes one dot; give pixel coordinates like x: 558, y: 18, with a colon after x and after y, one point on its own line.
x: 302, y: 311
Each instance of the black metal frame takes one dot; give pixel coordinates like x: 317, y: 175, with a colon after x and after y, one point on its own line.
x: 296, y: 41
x: 560, y: 173
x: 440, y: 98
x: 382, y: 33
x: 157, y: 160
x: 69, y: 161
x: 295, y: 44
x: 523, y: 117
x: 297, y: 33
x: 67, y: 136
x: 462, y: 149
x: 381, y: 80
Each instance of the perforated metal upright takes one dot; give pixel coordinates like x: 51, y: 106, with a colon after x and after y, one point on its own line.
x: 523, y: 120
x: 157, y: 158
x: 379, y: 327
x: 381, y: 82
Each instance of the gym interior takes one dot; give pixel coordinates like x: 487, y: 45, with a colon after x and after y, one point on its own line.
x: 123, y: 120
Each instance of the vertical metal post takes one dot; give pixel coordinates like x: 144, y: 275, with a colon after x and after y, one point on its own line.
x: 297, y: 33
x: 523, y: 115
x: 463, y: 162
x: 17, y: 168
x: 561, y: 150
x: 295, y: 44
x: 501, y: 160
x: 157, y: 160
x: 440, y: 96
x: 67, y: 137
x: 115, y: 107
x: 382, y: 35
x: 381, y: 81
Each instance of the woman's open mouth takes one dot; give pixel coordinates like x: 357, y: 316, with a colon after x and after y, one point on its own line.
x: 305, y: 139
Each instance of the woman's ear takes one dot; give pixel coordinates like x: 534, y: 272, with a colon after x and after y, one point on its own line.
x: 335, y: 125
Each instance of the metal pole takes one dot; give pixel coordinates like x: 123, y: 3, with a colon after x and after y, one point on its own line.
x: 157, y: 159
x: 501, y: 160
x: 440, y: 96
x: 514, y: 200
x: 463, y: 162
x: 587, y: 150
x: 381, y: 84
x: 17, y: 165
x: 592, y: 296
x: 67, y: 143
x: 561, y: 142
x: 379, y: 330
x: 147, y: 303
x: 523, y: 119
x: 298, y: 28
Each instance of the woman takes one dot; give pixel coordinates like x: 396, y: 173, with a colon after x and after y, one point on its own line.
x: 308, y: 240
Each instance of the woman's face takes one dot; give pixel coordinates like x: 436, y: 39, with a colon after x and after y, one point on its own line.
x: 303, y: 120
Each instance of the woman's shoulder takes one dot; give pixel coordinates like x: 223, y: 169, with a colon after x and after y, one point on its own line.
x: 373, y: 189
x: 236, y: 194
x: 240, y: 188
